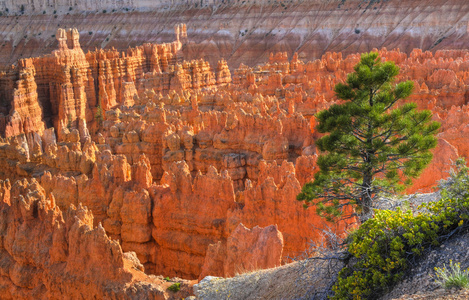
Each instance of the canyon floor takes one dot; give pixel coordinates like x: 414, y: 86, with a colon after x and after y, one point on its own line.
x: 140, y: 150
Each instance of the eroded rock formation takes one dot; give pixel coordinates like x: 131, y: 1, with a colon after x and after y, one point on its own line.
x: 49, y: 254
x: 239, y: 31
x: 183, y: 163
x: 245, y: 250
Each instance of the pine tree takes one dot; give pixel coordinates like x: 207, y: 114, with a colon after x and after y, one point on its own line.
x: 373, y: 145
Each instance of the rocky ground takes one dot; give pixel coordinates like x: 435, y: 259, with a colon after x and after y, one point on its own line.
x: 439, y: 294
x: 420, y: 281
x: 306, y: 279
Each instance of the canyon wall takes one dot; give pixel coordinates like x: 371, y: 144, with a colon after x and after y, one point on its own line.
x: 46, y: 253
x: 185, y: 163
x: 244, y: 33
x: 67, y: 6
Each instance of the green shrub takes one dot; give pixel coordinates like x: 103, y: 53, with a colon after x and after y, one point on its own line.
x: 453, y: 277
x: 457, y: 186
x: 381, y: 249
x: 175, y: 287
x: 383, y: 246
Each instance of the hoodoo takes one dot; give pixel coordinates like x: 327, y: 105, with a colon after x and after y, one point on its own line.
x: 127, y: 161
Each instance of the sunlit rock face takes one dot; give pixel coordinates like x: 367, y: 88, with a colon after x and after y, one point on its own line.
x: 40, y: 245
x: 193, y: 166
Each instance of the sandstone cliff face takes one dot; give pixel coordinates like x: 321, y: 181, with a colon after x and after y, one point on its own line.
x: 25, y: 112
x: 171, y: 156
x: 245, y: 250
x: 50, y: 254
x: 241, y: 32
x: 74, y: 6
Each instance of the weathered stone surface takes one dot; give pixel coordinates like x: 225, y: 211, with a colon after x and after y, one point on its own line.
x: 41, y: 245
x: 225, y: 29
x: 171, y: 156
x: 245, y: 250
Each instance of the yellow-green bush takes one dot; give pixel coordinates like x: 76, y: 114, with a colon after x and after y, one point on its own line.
x: 382, y: 248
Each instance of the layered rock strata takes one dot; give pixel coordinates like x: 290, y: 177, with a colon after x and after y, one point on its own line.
x: 239, y: 31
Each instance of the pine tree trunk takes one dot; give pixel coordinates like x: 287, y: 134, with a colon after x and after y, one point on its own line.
x: 365, y: 199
